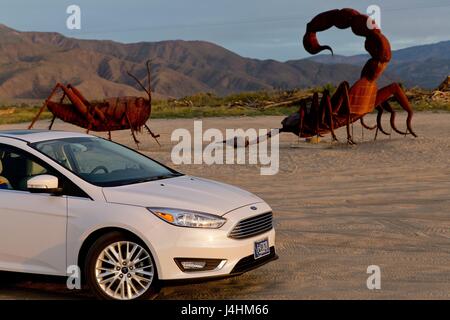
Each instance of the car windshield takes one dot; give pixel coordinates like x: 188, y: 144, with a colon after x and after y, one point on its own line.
x: 103, y: 163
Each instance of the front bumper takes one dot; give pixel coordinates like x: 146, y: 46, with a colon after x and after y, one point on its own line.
x: 249, y: 263
x: 214, y: 244
x: 244, y: 265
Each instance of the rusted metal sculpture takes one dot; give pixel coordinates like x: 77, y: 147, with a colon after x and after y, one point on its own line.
x: 349, y: 104
x: 111, y: 114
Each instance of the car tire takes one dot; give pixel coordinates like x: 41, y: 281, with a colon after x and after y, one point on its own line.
x: 120, y: 267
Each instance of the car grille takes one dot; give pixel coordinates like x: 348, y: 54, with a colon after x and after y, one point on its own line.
x: 252, y: 226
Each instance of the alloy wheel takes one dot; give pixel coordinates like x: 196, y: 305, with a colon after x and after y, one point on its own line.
x: 124, y: 270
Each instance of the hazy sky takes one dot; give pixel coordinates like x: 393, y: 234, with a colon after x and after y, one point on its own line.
x: 253, y: 28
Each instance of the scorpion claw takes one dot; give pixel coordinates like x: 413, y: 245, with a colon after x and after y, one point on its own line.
x: 394, y: 127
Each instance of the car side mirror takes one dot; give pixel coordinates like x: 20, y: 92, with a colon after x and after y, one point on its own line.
x: 44, y: 184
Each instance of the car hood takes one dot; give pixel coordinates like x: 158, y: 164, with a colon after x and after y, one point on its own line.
x: 184, y: 192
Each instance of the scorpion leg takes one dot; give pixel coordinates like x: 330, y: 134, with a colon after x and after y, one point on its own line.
x: 348, y: 123
x: 328, y: 111
x: 302, y: 113
x: 379, y: 126
x: 315, y: 113
x: 338, y: 97
x: 154, y: 136
x: 395, y: 90
x: 341, y: 101
x: 387, y: 106
x: 341, y: 105
x: 365, y: 126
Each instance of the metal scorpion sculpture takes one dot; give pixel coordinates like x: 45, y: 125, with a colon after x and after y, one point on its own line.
x: 349, y: 104
x: 111, y: 114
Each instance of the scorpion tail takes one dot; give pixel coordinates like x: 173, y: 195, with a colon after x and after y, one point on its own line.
x: 376, y: 43
x: 235, y: 141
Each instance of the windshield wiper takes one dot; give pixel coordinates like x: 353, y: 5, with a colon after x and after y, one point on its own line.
x: 160, y: 177
x: 142, y: 180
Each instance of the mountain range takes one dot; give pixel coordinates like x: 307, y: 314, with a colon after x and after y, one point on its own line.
x: 31, y: 63
x: 423, y: 66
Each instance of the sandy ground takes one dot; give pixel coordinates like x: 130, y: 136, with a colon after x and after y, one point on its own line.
x: 337, y: 211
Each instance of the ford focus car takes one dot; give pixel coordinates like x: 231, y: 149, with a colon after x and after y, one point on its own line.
x: 128, y: 222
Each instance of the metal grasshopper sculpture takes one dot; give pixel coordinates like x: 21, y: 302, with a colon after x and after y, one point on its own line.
x: 111, y: 114
x: 349, y: 103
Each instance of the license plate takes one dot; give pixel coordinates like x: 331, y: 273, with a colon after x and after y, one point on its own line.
x: 261, y: 248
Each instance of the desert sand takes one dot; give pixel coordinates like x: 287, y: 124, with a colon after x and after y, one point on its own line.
x: 337, y: 211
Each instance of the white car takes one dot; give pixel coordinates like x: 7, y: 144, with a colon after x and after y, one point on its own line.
x: 128, y: 222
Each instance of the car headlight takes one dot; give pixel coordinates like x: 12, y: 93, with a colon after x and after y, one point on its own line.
x: 187, y: 218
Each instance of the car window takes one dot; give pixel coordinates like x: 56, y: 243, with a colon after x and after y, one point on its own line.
x: 103, y: 163
x: 17, y: 168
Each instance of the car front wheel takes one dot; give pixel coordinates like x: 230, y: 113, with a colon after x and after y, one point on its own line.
x: 121, y: 268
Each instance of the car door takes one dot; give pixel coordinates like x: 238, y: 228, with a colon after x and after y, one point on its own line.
x: 32, y: 226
